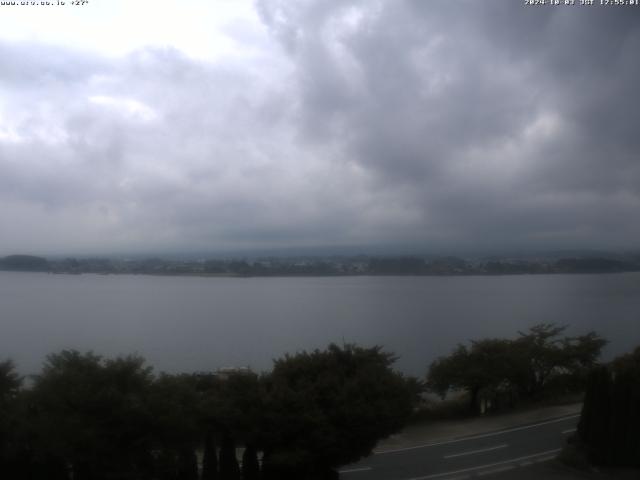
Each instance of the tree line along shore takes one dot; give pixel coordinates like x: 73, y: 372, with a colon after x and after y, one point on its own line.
x: 326, y: 266
x: 85, y: 417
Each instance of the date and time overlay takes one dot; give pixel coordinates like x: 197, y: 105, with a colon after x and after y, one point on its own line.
x: 584, y: 3
x: 528, y: 3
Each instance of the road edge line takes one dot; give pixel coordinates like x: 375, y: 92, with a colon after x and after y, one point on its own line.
x: 476, y: 436
x: 489, y: 465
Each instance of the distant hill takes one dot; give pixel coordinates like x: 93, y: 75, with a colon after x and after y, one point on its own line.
x: 24, y: 263
x: 327, y: 266
x: 595, y: 265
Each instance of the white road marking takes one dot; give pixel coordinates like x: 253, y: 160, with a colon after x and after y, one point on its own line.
x: 353, y: 470
x: 496, y: 470
x: 480, y: 467
x: 488, y: 449
x: 474, y: 437
x: 544, y: 459
x: 571, y: 430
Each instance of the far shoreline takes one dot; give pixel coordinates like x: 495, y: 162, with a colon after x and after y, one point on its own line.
x: 312, y: 275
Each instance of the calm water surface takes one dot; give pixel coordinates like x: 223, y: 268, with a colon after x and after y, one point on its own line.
x: 191, y: 323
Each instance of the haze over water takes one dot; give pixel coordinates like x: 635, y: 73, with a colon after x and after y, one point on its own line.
x: 184, y: 324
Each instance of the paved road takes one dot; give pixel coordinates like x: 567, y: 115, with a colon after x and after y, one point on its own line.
x: 476, y: 456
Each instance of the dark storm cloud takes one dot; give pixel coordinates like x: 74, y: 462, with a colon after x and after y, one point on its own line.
x: 441, y: 124
x: 502, y: 123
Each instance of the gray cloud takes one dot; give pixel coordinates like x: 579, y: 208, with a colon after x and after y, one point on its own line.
x: 442, y: 124
x: 503, y: 123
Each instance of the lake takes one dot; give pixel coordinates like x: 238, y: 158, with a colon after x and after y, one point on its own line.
x: 198, y: 323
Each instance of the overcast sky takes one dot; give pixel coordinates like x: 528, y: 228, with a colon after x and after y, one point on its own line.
x: 161, y: 125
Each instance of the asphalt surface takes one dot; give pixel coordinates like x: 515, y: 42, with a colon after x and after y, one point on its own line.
x: 478, y: 456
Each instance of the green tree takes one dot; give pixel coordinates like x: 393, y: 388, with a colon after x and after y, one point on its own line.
x: 174, y: 406
x: 484, y: 368
x: 610, y: 421
x: 541, y: 354
x: 187, y: 464
x: 209, y: 458
x: 503, y: 370
x: 250, y: 465
x: 596, y: 410
x: 92, y: 415
x: 229, y: 468
x: 329, y: 408
x: 10, y: 383
x: 233, y: 410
